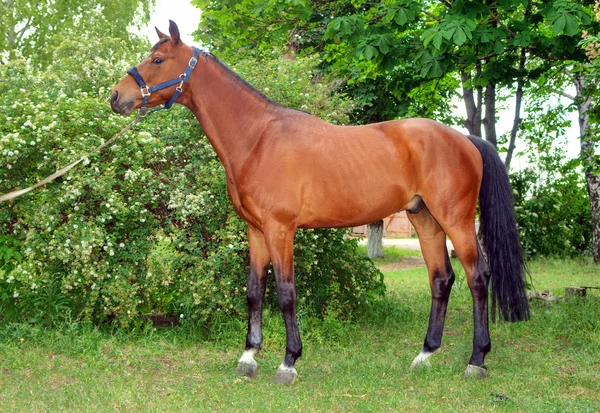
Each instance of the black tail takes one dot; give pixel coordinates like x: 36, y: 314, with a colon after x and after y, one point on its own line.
x: 500, y: 237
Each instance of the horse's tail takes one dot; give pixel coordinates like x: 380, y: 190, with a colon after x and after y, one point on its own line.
x: 501, y: 237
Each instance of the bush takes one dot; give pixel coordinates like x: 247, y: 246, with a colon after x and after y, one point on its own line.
x: 145, y: 226
x: 553, y: 216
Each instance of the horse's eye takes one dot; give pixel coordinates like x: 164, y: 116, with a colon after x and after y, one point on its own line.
x: 157, y: 61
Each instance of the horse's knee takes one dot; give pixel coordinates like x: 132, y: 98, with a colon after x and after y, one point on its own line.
x: 286, y: 295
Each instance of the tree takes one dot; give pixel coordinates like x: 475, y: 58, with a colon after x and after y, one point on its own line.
x: 33, y: 29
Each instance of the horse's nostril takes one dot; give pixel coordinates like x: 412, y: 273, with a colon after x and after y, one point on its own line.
x: 114, y: 97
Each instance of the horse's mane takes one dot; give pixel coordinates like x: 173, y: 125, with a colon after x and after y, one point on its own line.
x: 237, y: 78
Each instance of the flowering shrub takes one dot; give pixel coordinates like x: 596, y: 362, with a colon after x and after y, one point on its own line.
x: 553, y: 215
x: 145, y: 226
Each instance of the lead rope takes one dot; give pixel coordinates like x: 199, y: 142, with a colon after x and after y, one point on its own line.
x: 60, y: 172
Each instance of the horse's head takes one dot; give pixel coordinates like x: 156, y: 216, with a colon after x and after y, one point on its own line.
x: 167, y: 60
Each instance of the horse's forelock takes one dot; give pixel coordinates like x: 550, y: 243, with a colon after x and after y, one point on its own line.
x: 161, y: 41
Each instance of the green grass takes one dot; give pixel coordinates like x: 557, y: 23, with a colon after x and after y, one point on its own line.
x: 551, y: 363
x: 390, y: 254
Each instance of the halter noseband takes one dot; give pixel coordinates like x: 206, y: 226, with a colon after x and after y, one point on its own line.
x: 147, y: 90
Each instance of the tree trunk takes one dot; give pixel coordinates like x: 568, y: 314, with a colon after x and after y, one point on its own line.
x: 489, y: 122
x: 473, y: 121
x: 592, y: 176
x: 375, y: 241
x: 593, y: 185
x: 517, y: 119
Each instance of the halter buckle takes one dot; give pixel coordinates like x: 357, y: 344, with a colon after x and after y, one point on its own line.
x: 145, y: 91
x: 179, y: 88
x: 193, y: 62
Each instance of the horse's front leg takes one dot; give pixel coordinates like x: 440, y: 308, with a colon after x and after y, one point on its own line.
x: 280, y: 240
x: 259, y: 266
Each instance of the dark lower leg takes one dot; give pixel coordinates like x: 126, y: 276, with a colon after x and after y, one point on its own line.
x: 255, y: 294
x: 257, y: 277
x: 441, y: 277
x: 286, y: 292
x: 441, y: 285
x: 479, y: 290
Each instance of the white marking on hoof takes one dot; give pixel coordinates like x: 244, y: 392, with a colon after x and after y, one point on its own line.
x: 421, y: 360
x: 476, y: 371
x: 286, y: 375
x: 247, y: 365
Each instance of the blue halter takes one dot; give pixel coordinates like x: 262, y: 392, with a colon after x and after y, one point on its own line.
x: 147, y: 90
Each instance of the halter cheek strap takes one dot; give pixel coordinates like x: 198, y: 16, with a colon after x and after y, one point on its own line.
x: 146, y: 91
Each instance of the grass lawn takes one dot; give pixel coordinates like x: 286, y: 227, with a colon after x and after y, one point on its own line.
x: 551, y: 363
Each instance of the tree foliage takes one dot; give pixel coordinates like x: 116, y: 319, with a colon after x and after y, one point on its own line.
x: 386, y: 50
x: 33, y: 29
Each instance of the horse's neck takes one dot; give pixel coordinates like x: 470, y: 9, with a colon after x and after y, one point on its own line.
x: 232, y: 115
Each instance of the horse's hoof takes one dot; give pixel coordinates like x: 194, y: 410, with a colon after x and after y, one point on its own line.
x: 247, y: 368
x: 286, y: 375
x: 422, y: 360
x: 478, y: 372
x: 420, y: 364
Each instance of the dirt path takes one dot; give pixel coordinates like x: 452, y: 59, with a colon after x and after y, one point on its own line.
x: 404, y: 263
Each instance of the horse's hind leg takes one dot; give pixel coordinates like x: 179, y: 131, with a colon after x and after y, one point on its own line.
x: 441, y: 277
x: 477, y: 272
x: 259, y: 266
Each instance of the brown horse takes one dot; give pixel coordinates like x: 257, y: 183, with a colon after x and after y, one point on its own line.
x: 287, y: 169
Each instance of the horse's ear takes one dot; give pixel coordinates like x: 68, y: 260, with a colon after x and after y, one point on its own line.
x: 174, y: 31
x: 161, y: 35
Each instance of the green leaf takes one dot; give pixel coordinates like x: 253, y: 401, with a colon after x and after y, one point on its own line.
x: 401, y: 17
x: 370, y: 52
x: 559, y: 24
x: 426, y: 68
x: 437, y: 41
x: 498, y: 47
x: 448, y: 33
x: 384, y: 46
x: 486, y: 37
x: 571, y: 25
x: 459, y: 36
x: 345, y: 27
x: 436, y: 69
x: 432, y: 36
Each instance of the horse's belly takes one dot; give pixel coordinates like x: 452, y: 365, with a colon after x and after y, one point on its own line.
x: 348, y: 207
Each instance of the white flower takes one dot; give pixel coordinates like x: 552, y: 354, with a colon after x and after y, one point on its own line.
x: 15, y: 294
x: 230, y: 246
x: 180, y: 315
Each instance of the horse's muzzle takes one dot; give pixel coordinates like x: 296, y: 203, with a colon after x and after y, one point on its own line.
x: 119, y: 107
